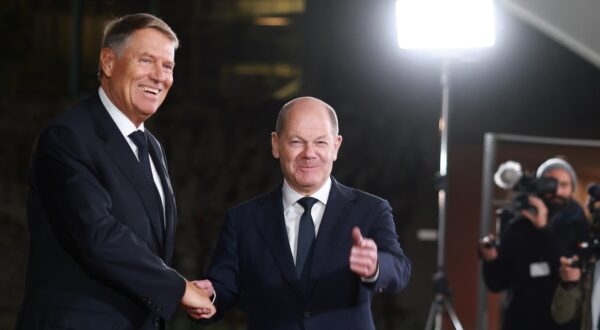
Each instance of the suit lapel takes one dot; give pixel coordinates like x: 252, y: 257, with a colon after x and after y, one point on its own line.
x: 335, y: 222
x: 271, y: 225
x: 170, y: 217
x: 118, y: 149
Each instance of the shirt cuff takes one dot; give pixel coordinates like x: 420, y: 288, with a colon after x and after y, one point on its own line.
x: 372, y: 278
x: 214, y: 297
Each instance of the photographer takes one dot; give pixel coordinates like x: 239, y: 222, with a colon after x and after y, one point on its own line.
x: 526, y: 262
x: 577, y: 297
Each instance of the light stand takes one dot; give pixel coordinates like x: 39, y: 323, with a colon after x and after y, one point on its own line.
x: 447, y: 29
x: 442, y: 299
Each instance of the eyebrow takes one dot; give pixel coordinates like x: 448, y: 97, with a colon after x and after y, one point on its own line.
x: 295, y: 136
x: 154, y: 57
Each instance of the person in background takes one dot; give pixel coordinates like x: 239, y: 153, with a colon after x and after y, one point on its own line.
x: 577, y: 297
x: 526, y: 262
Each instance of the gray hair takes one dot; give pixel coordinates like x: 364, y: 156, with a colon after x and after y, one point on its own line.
x: 283, y: 112
x: 118, y: 31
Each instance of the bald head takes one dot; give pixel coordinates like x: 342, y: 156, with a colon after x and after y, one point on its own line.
x: 306, y: 143
x: 301, y: 103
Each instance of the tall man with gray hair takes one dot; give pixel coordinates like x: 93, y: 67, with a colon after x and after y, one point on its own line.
x: 101, y: 211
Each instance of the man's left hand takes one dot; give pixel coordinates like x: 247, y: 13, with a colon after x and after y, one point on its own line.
x: 363, y: 255
x: 540, y: 218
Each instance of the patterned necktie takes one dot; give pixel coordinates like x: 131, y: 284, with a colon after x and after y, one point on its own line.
x: 306, y: 237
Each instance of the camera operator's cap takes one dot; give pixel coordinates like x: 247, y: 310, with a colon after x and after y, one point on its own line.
x: 557, y: 163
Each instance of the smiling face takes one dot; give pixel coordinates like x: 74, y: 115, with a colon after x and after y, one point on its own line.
x: 137, y: 81
x: 307, y: 146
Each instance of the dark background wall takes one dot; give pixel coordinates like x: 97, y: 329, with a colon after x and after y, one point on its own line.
x: 232, y: 76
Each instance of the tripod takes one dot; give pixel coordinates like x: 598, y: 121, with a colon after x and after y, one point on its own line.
x: 441, y: 300
x: 441, y: 286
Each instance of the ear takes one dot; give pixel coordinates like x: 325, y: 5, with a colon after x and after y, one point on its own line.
x: 107, y: 60
x: 336, y: 146
x: 275, y: 145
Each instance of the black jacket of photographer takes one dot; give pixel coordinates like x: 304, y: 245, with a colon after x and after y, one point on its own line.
x: 525, y: 249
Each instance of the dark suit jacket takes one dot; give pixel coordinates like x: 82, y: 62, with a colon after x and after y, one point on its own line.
x: 98, y: 258
x: 253, y: 264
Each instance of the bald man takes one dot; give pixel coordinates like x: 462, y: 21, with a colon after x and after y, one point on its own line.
x: 311, y: 253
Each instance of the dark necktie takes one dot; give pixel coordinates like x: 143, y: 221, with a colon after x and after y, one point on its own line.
x: 141, y: 141
x: 306, y: 237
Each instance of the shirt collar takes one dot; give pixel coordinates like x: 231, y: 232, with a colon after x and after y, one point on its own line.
x: 123, y: 123
x: 290, y: 196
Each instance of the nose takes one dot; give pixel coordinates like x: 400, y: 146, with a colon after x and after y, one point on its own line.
x: 309, y: 151
x: 158, y: 74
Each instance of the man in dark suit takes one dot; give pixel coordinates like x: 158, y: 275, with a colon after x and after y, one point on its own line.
x: 101, y: 210
x: 295, y: 258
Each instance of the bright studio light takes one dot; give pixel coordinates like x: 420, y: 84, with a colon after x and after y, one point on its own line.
x: 445, y: 24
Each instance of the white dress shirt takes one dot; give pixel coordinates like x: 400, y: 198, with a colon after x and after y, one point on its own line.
x: 292, y: 211
x: 127, y: 127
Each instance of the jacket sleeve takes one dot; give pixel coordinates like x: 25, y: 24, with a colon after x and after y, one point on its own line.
x: 79, y: 211
x: 224, y: 269
x: 394, y: 266
x: 496, y: 273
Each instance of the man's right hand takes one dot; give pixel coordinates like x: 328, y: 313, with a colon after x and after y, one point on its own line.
x: 205, y: 285
x: 569, y: 274
x: 196, y: 302
x: 487, y: 248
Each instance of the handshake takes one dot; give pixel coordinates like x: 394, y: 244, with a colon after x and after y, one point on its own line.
x: 197, y: 301
x: 199, y: 295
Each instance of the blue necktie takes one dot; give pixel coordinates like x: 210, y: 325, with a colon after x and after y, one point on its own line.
x: 306, y: 237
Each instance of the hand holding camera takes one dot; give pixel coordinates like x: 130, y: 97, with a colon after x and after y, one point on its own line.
x: 529, y: 191
x: 539, y: 217
x: 569, y: 270
x: 487, y: 248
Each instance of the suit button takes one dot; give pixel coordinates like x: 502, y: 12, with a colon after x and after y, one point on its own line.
x: 307, y: 315
x: 156, y: 322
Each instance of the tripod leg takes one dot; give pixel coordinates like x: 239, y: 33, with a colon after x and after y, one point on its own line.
x: 452, y: 315
x: 434, y: 311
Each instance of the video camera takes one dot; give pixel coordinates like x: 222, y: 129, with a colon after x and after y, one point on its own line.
x: 510, y: 177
